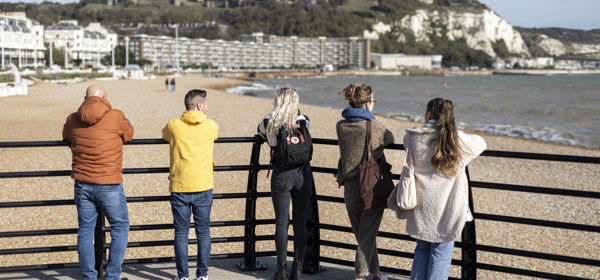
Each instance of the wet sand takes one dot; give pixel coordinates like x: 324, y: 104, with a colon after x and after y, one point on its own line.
x: 41, y: 115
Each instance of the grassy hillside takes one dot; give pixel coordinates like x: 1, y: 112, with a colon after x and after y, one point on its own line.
x: 341, y: 18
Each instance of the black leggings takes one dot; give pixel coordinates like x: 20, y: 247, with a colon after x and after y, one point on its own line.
x: 296, y: 184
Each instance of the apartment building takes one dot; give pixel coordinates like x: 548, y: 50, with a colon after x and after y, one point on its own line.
x: 83, y: 46
x: 350, y: 52
x: 21, y: 40
x: 254, y: 51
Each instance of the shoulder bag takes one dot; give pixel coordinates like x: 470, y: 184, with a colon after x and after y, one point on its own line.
x: 404, y: 195
x: 375, y: 177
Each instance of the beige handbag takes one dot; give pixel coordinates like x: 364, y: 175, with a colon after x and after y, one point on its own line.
x: 404, y: 195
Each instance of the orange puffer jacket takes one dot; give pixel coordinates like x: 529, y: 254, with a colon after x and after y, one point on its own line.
x: 97, y: 133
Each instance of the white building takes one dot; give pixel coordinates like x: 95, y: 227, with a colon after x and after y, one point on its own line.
x: 255, y: 51
x: 389, y: 61
x: 21, y: 40
x: 83, y: 45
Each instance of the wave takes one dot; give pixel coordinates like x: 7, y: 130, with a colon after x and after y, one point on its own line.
x: 545, y: 134
x: 250, y: 89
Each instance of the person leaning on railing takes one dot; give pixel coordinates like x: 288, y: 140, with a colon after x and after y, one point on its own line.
x: 289, y: 181
x: 351, y: 136
x: 441, y: 153
x: 97, y: 133
x: 191, y: 180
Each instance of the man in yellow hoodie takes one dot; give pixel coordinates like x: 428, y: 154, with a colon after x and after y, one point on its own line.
x: 191, y: 140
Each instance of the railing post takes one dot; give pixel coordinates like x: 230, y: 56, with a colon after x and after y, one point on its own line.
x: 313, y: 248
x: 469, y: 240
x: 99, y: 244
x: 249, y: 263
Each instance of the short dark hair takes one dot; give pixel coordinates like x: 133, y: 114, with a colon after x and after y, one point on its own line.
x: 193, y: 97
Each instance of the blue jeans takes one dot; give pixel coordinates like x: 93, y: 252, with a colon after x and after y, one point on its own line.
x: 182, y: 205
x: 432, y: 260
x: 110, y: 200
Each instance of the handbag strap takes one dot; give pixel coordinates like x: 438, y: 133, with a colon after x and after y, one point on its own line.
x: 367, y: 151
x: 410, y: 158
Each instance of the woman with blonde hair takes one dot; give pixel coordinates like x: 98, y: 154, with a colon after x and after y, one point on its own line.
x: 440, y: 154
x: 351, y: 132
x: 286, y: 131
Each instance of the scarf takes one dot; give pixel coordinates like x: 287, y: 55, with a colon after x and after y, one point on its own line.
x: 357, y: 114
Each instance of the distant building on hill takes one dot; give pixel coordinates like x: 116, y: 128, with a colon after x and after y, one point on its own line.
x: 84, y: 46
x: 255, y: 51
x: 21, y: 40
x: 396, y: 61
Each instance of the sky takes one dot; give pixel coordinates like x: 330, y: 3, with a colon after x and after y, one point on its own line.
x: 576, y: 14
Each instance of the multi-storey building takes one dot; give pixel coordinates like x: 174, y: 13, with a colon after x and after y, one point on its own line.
x: 21, y: 40
x: 353, y: 52
x: 84, y: 46
x: 254, y: 51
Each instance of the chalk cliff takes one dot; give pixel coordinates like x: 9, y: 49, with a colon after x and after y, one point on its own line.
x: 479, y: 28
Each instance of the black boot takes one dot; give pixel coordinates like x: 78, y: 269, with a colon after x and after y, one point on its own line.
x: 281, y: 273
x: 296, y: 270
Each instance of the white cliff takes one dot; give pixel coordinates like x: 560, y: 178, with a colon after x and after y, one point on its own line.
x: 551, y: 46
x: 480, y: 29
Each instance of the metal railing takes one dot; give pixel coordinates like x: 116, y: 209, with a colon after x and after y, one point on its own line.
x: 468, y: 245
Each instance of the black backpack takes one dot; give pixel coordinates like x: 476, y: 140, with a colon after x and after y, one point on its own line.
x: 294, y: 147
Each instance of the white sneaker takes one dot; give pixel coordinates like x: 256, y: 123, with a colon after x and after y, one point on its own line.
x: 202, y: 278
x: 182, y: 278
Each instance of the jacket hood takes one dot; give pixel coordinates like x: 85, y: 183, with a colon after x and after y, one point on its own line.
x: 193, y: 117
x: 93, y: 109
x: 426, y: 128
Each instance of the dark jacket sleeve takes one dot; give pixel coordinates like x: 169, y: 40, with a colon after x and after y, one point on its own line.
x: 388, y: 138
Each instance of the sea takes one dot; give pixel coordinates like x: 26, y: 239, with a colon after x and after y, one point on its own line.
x: 563, y: 108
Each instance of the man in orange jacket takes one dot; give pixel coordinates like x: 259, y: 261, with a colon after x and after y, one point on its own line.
x: 97, y: 134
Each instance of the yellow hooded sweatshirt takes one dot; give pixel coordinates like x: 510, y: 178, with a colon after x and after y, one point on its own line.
x: 191, y: 140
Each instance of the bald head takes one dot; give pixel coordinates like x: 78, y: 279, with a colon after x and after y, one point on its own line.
x: 95, y: 90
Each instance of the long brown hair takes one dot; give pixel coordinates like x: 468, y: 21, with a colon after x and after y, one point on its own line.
x: 357, y: 95
x: 447, y: 149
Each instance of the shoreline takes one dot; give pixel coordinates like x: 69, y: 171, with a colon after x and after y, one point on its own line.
x: 442, y: 72
x: 246, y: 82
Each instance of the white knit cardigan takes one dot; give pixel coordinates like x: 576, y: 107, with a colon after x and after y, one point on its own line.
x: 442, y: 200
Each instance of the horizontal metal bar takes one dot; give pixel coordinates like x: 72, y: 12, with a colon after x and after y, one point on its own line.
x: 490, y: 153
x: 150, y: 141
x: 45, y: 232
x: 525, y: 272
x: 537, y: 156
x: 62, y: 202
x: 537, y: 255
x: 535, y: 222
x: 34, y: 250
x: 532, y: 189
x: 328, y: 198
x: 53, y: 266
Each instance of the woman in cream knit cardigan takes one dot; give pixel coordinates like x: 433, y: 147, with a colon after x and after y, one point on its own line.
x: 441, y: 153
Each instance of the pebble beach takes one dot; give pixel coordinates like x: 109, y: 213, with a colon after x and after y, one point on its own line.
x: 40, y: 115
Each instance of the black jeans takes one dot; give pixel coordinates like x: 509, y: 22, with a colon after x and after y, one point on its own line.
x: 296, y: 184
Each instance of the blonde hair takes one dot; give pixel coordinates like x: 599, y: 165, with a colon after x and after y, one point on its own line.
x: 357, y: 95
x: 447, y: 152
x: 285, y: 110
